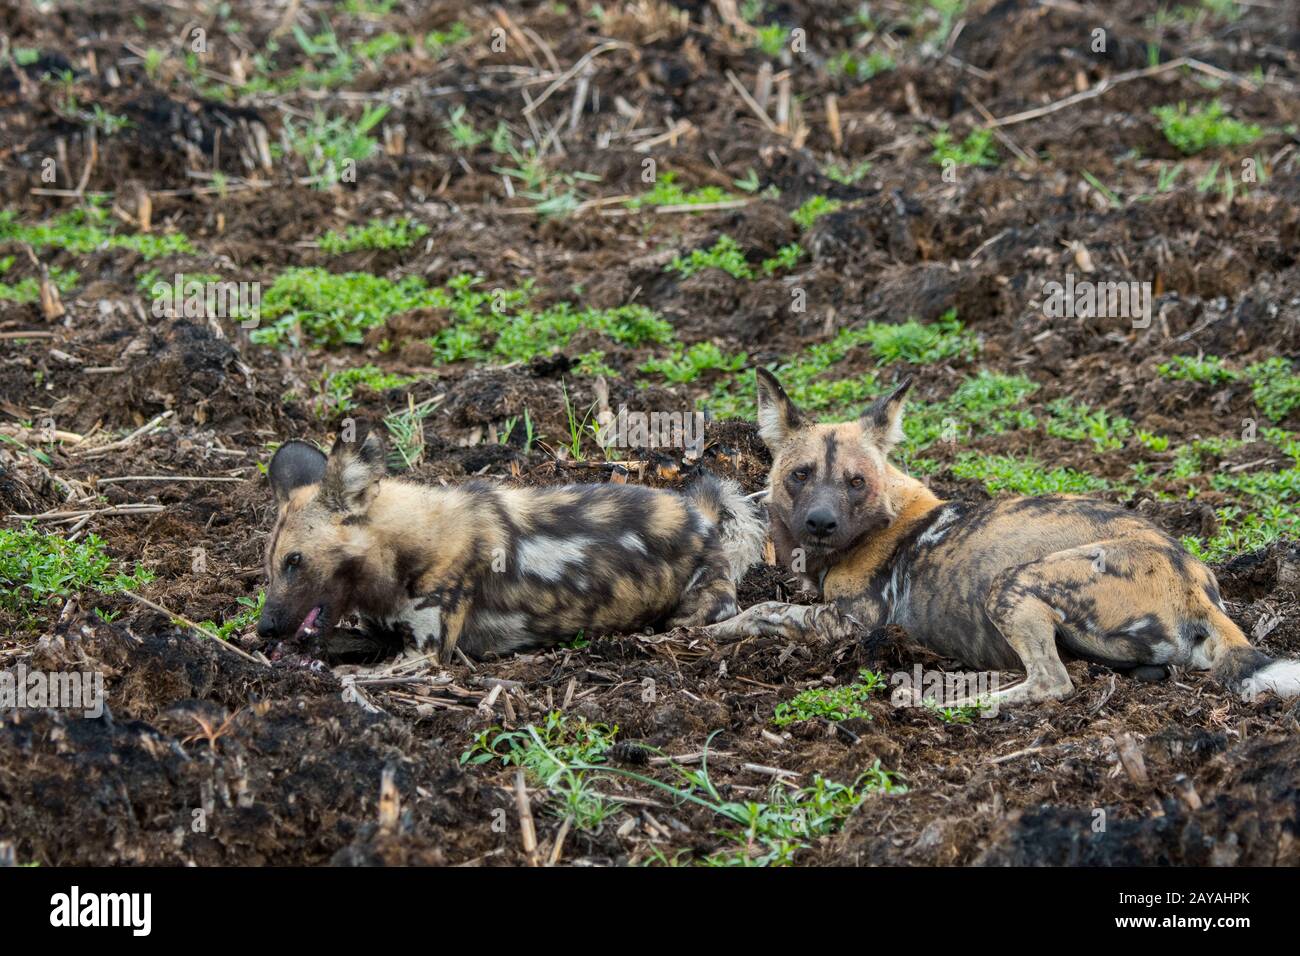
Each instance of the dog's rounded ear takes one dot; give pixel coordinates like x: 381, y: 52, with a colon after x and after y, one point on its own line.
x: 294, y: 465
x: 777, y: 415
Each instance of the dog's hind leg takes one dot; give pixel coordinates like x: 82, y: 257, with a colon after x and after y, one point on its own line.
x: 1110, y: 601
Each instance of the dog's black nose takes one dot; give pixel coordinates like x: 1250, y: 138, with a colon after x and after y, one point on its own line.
x: 820, y: 522
x: 266, y: 626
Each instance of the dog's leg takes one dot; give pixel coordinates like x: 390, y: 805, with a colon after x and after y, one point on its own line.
x: 792, y: 621
x: 1099, y: 597
x: 1029, y: 625
x: 708, y: 600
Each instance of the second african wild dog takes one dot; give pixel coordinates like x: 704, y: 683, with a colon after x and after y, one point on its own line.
x: 488, y: 568
x: 998, y: 584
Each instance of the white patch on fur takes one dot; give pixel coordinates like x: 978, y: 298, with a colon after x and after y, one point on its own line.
x: 631, y: 541
x: 1139, y: 624
x: 1059, y: 613
x: 936, y: 532
x: 1199, y: 659
x: 895, y: 433
x: 1280, y: 677
x: 549, y: 557
x: 770, y: 427
x: 425, y: 623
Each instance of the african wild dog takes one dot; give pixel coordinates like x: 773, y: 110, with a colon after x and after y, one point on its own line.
x: 488, y: 568
x: 993, y: 584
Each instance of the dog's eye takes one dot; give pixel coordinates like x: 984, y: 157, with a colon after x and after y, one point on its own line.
x: 801, y: 475
x: 293, y: 560
x: 856, y: 482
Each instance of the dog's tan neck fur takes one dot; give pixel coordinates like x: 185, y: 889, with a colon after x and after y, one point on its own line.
x: 911, y: 502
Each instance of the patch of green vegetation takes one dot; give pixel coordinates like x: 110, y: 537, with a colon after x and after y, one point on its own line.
x: 1265, y: 505
x: 955, y: 715
x: 465, y: 136
x: 313, y: 306
x: 560, y: 755
x: 853, y: 66
x: 240, y: 621
x: 771, y: 833
x: 28, y: 290
x: 376, y: 234
x: 317, y: 307
x: 771, y: 39
x: 787, y: 257
x: 844, y: 174
x: 813, y: 209
x: 668, y: 192
x: 1203, y: 127
x: 983, y: 404
x: 920, y: 343
x: 332, y: 147
x: 1152, y: 442
x: 35, y: 566
x: 832, y: 703
x: 1276, y: 387
x: 1023, y: 476
x: 406, y: 432
x: 725, y: 254
x: 555, y: 192
x: 592, y: 363
x: 1081, y: 422
x: 339, y: 387
x: 916, y: 342
x: 1274, y: 383
x: 1241, y: 532
x: 686, y: 365
x: 437, y: 43
x: 1189, y: 368
x: 975, y: 150
x: 524, y: 334
x: 86, y: 229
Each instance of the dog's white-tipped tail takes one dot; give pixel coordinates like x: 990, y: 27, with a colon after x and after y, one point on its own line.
x: 1242, y: 667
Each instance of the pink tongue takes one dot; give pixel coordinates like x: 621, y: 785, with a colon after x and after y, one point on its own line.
x: 309, y: 620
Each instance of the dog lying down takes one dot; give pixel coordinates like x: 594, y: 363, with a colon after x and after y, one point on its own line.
x: 998, y: 585
x: 485, y: 568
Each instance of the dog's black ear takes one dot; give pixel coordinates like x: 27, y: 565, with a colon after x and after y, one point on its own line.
x: 295, y: 464
x: 777, y: 415
x: 353, y: 470
x: 883, y: 420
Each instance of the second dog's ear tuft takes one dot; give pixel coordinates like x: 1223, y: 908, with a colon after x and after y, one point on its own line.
x: 353, y: 471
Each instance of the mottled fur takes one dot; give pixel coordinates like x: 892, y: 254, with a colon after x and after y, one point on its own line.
x: 997, y: 585
x: 489, y: 568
